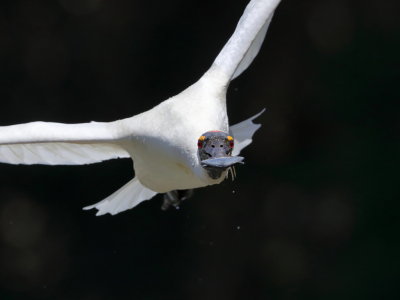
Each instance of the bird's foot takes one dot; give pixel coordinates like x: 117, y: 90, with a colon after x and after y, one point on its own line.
x: 175, y: 198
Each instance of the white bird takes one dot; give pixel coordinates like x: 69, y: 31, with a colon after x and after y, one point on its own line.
x: 163, y: 141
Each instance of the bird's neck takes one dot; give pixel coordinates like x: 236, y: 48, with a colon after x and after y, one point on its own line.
x: 217, y: 80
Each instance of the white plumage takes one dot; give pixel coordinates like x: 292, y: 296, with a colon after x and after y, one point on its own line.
x: 162, y: 141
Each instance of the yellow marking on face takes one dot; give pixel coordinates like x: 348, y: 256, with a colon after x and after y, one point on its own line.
x: 229, y: 138
x: 202, y: 138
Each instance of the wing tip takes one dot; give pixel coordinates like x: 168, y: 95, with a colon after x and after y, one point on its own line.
x: 99, y: 212
x: 259, y: 114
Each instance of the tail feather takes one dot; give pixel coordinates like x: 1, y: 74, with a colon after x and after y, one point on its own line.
x: 127, y: 197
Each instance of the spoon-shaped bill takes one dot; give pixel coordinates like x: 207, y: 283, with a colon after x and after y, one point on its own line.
x: 222, y: 162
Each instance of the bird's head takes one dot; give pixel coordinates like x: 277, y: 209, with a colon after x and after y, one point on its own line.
x: 215, y: 153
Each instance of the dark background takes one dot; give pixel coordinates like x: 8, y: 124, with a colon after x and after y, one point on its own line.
x: 314, y: 212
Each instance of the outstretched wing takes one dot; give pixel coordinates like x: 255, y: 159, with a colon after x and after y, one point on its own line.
x: 243, y: 133
x: 60, y: 144
x: 246, y: 41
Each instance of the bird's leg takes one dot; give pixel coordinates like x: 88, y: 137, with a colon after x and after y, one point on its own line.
x: 175, y: 197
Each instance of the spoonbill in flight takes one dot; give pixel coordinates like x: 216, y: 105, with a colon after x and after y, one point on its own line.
x: 183, y: 143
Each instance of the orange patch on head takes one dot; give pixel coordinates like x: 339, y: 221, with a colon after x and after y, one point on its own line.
x: 231, y: 141
x: 200, y: 141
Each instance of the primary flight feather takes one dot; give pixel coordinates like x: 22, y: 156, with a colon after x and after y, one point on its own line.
x: 185, y: 142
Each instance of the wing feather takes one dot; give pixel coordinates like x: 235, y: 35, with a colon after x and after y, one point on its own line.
x: 60, y: 144
x: 253, y: 50
x: 127, y: 197
x: 243, y: 133
x: 245, y: 43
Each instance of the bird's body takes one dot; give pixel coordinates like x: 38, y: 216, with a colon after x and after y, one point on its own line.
x: 162, y: 141
x: 165, y: 152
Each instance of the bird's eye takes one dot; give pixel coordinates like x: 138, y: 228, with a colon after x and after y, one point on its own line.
x: 230, y: 141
